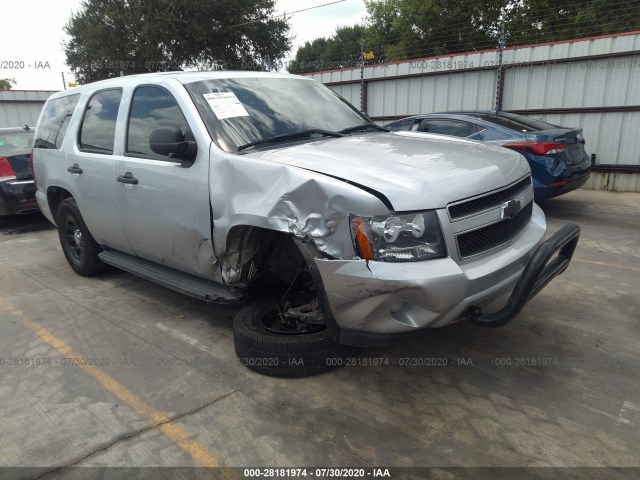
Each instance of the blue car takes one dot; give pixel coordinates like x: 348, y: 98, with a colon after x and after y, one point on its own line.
x: 556, y: 155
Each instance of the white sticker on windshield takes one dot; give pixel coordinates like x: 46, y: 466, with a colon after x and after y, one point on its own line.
x: 225, y: 105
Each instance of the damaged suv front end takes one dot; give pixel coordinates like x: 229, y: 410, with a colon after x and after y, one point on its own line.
x: 396, y: 239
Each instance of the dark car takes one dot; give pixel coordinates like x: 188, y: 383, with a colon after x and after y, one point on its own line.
x: 556, y: 155
x: 17, y: 190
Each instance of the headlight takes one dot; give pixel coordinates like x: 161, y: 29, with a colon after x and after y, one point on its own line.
x: 407, y: 237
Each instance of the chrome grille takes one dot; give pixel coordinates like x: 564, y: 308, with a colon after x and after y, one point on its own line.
x: 492, y: 236
x: 480, y: 204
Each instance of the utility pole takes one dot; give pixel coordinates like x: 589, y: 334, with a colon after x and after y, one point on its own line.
x: 500, y: 80
x: 64, y: 83
x: 362, y: 99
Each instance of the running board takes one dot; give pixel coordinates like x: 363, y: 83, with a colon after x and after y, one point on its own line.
x: 200, y: 288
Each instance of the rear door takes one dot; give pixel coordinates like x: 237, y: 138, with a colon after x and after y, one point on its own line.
x: 165, y: 208
x: 89, y: 167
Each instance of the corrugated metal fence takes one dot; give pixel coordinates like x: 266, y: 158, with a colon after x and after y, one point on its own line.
x: 593, y: 83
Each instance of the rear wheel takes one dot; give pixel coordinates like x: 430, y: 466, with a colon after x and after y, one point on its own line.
x: 269, y: 343
x: 77, y: 243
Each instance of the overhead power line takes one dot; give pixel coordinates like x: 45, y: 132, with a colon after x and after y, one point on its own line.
x: 311, y: 8
x: 290, y: 13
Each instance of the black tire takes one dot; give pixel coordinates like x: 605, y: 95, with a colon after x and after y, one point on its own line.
x: 282, y: 355
x: 77, y: 243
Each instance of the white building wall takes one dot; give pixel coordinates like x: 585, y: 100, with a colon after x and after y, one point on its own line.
x: 21, y: 107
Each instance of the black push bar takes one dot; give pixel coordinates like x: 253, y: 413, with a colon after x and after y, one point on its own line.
x: 539, y: 271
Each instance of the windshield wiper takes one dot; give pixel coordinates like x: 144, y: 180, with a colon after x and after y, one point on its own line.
x: 292, y: 136
x: 363, y: 127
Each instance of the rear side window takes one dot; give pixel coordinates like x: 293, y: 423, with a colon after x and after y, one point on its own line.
x: 98, y: 128
x: 403, y: 126
x: 492, y: 133
x: 151, y: 108
x: 55, y: 121
x: 449, y: 127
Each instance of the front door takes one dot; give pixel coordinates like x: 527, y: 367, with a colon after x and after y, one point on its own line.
x: 164, y: 203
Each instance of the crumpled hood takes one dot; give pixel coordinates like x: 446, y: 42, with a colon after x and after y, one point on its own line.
x: 414, y: 171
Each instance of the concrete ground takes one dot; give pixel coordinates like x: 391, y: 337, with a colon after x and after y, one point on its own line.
x: 116, y: 371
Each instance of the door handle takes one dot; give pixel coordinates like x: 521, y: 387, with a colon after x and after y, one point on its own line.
x: 128, y: 178
x: 75, y: 168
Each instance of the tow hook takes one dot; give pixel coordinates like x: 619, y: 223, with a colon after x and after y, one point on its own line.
x: 471, y: 313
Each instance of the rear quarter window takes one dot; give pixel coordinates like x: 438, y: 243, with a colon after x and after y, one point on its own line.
x: 54, y: 122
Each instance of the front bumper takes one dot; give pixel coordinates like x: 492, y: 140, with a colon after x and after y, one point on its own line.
x: 379, y: 299
x: 17, y: 197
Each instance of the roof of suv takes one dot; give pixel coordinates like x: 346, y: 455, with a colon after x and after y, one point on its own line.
x: 183, y: 77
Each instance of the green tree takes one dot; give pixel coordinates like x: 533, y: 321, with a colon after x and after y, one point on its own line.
x: 307, y: 57
x: 138, y: 36
x: 406, y: 29
x: 420, y: 28
x: 7, y: 83
x: 342, y: 49
x: 553, y: 20
x: 382, y: 28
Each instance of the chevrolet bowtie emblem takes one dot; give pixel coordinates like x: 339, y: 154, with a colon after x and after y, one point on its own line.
x: 509, y: 209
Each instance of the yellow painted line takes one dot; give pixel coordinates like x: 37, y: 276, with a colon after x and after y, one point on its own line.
x: 199, y: 452
x: 605, y: 264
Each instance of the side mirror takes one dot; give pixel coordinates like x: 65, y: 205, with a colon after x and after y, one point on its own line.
x: 169, y: 141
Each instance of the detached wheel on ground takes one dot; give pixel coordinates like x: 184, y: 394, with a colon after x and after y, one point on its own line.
x: 77, y: 243
x: 270, y: 345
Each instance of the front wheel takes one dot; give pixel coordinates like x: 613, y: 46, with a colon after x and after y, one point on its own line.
x: 267, y: 344
x: 77, y: 243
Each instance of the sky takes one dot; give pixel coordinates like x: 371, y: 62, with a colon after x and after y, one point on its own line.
x: 32, y: 48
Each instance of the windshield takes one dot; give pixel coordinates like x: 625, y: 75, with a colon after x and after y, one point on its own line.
x: 239, y: 111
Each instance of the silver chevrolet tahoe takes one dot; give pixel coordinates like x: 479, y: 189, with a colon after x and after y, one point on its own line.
x: 271, y: 190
